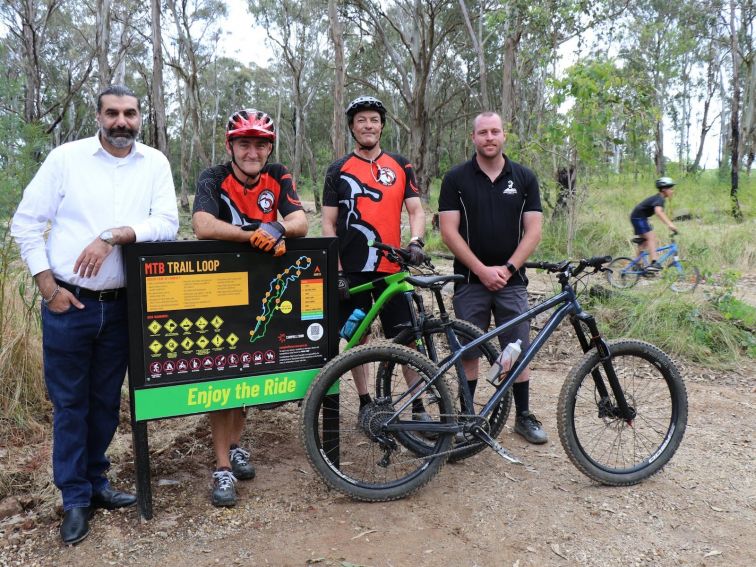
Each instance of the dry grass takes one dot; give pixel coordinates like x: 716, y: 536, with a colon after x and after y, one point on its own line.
x: 25, y: 411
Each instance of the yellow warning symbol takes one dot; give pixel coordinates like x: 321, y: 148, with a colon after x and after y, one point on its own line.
x: 170, y: 325
x: 155, y: 347
x: 232, y: 339
x: 187, y: 343
x: 202, y: 342
x: 216, y: 322
x: 217, y: 340
x: 171, y: 345
x: 186, y: 324
x: 201, y: 323
x: 154, y: 327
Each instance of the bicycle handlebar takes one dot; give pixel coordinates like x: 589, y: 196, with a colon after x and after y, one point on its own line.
x: 596, y: 262
x: 399, y: 255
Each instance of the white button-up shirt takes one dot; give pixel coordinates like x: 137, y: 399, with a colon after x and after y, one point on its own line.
x: 82, y: 190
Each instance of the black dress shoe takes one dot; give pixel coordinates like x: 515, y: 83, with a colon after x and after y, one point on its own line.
x: 111, y: 499
x: 75, y: 526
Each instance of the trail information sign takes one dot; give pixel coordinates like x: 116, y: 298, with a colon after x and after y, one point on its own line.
x: 218, y: 325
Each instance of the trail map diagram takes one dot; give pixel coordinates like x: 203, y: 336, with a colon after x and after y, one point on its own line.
x: 276, y: 290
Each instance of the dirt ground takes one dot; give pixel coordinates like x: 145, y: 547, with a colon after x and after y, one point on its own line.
x: 700, y: 510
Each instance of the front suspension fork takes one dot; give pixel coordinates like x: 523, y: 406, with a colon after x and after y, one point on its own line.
x: 597, y: 341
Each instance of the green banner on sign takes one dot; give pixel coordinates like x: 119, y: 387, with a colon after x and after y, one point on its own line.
x: 186, y: 399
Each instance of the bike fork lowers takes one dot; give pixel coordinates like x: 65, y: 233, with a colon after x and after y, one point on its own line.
x: 624, y: 412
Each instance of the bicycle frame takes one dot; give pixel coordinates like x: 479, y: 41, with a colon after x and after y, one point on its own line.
x: 640, y: 262
x: 569, y: 307
x: 395, y: 284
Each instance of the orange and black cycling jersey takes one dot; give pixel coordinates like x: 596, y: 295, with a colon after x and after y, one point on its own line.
x: 369, y: 196
x: 222, y: 195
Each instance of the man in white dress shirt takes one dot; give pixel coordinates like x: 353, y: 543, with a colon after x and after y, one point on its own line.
x: 96, y: 194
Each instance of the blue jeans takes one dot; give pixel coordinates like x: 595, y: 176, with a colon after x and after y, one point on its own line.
x: 85, y: 357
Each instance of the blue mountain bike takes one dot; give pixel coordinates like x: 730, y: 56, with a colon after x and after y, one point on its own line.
x: 682, y: 277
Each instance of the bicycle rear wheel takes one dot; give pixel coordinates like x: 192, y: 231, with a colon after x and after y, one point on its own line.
x: 606, y: 447
x: 685, y: 278
x: 437, y: 347
x: 367, y: 462
x: 623, y: 272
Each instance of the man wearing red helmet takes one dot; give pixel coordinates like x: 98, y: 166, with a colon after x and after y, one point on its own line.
x: 240, y: 201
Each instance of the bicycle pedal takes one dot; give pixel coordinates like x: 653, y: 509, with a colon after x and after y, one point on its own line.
x: 483, y: 435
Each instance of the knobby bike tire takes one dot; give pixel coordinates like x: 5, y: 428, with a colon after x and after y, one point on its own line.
x: 434, y: 332
x: 368, y: 463
x: 606, y: 448
x: 618, y: 275
x: 685, y: 278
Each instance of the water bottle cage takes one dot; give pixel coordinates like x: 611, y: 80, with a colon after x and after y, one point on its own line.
x: 500, y: 378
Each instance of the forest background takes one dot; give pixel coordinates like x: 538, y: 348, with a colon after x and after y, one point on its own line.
x: 647, y: 86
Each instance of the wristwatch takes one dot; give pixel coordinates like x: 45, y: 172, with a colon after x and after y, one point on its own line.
x: 107, y: 236
x: 511, y: 268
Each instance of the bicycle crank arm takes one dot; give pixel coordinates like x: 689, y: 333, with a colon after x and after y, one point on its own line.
x: 480, y: 433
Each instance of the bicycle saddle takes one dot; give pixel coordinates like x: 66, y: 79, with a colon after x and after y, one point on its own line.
x: 431, y: 281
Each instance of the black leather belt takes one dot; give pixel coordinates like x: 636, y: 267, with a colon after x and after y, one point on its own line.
x: 102, y: 295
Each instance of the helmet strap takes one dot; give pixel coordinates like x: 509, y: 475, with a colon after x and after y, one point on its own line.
x: 250, y: 179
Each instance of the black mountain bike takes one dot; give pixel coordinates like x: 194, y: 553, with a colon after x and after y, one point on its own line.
x: 621, y: 413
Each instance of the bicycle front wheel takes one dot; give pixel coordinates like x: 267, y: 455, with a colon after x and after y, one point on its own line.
x: 685, y: 278
x: 437, y: 347
x: 623, y: 272
x: 350, y: 447
x: 598, y: 441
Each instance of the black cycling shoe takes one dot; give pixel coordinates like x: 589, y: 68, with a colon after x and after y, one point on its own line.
x: 530, y: 428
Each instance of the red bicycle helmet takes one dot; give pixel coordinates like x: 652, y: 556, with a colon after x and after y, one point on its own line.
x: 250, y: 123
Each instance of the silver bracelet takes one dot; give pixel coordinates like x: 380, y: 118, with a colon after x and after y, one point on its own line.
x: 46, y: 301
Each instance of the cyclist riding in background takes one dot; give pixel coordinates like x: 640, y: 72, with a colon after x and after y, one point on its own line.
x: 647, y: 208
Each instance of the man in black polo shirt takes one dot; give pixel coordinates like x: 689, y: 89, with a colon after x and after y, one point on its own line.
x: 490, y: 217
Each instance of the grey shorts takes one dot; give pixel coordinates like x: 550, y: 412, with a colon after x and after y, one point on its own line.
x: 475, y: 303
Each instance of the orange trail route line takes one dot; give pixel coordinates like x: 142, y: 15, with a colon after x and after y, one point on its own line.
x: 276, y: 290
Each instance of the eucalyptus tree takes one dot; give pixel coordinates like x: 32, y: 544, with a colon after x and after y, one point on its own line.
x: 298, y: 31
x: 409, y: 34
x: 44, y: 39
x: 336, y: 32
x: 196, y: 25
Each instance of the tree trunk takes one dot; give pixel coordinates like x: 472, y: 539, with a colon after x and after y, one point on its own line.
x: 511, y: 44
x: 31, y: 38
x: 160, y: 132
x: 734, y: 117
x: 102, y: 42
x: 659, y: 146
x: 313, y: 167
x: 477, y: 44
x: 711, y: 86
x: 338, y: 127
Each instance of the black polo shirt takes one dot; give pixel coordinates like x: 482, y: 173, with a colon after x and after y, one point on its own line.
x: 491, y: 212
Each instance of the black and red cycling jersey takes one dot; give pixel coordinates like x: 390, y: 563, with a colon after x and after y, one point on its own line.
x: 369, y: 195
x: 222, y: 195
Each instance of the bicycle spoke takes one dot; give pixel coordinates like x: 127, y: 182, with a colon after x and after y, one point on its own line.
x: 598, y: 439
